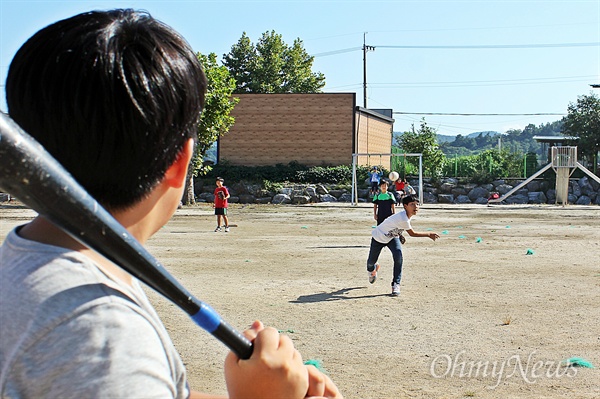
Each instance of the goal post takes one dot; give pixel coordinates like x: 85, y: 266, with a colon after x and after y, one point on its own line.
x: 355, y: 165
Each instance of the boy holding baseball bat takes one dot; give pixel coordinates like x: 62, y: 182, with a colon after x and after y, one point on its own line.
x: 115, y: 97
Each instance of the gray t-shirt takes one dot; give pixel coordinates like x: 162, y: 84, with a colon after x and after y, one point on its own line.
x: 67, y: 330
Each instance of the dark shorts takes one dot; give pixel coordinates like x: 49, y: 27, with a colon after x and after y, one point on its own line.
x: 220, y: 211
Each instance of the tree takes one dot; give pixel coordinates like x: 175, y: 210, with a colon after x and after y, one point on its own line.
x: 240, y: 63
x: 424, y: 141
x: 215, y: 119
x: 583, y: 121
x: 271, y: 66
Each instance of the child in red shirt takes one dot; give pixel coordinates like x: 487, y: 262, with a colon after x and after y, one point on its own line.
x: 220, y: 204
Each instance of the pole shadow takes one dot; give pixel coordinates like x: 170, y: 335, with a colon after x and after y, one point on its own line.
x: 338, y: 295
x: 341, y: 246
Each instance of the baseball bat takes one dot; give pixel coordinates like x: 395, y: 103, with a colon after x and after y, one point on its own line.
x: 31, y: 174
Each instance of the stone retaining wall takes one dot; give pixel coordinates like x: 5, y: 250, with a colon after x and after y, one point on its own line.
x: 584, y: 191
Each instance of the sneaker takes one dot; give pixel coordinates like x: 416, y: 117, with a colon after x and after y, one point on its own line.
x: 395, y: 289
x: 226, y: 229
x: 218, y: 229
x: 373, y: 274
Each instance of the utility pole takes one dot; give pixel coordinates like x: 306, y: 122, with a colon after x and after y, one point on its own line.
x: 365, y: 49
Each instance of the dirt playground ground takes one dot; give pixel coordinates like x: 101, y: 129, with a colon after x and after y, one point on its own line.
x: 490, y: 310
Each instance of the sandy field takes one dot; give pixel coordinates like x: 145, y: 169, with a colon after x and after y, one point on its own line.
x: 490, y: 310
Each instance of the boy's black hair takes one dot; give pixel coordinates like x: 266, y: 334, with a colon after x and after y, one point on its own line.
x: 383, y: 182
x: 408, y: 199
x: 112, y: 95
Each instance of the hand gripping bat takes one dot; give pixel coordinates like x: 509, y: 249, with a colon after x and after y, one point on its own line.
x: 31, y: 174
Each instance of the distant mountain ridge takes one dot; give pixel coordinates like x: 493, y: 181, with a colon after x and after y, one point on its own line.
x: 444, y: 138
x: 513, y: 140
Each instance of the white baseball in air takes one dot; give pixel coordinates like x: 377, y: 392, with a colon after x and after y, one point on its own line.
x: 394, y: 176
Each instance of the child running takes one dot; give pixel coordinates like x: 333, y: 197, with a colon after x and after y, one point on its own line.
x: 389, y: 234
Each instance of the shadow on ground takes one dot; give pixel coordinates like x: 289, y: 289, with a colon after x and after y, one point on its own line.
x: 338, y: 295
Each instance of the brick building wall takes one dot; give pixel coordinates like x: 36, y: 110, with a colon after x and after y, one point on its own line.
x: 374, y: 136
x: 312, y: 129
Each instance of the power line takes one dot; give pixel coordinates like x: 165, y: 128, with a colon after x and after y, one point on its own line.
x: 503, y: 81
x: 465, y: 47
x: 334, y: 52
x: 497, y: 46
x: 460, y: 114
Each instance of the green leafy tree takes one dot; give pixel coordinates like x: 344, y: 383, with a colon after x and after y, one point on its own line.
x: 424, y: 141
x: 271, y: 66
x: 215, y: 120
x: 583, y: 121
x: 241, y: 64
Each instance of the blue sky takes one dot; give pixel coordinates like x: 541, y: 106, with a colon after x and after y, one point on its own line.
x: 416, y: 66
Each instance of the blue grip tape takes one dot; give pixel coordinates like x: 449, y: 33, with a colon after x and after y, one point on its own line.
x: 207, y: 318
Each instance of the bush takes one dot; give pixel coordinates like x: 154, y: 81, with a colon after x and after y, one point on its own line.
x: 319, y: 174
x: 256, y: 174
x: 487, y: 166
x: 292, y: 172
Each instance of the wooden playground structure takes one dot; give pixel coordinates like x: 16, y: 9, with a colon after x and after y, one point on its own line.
x: 563, y: 162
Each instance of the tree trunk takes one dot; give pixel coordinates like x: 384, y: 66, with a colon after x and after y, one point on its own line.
x: 188, y: 194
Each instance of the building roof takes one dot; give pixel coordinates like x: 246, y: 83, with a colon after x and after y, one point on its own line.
x: 554, y: 139
x: 377, y: 113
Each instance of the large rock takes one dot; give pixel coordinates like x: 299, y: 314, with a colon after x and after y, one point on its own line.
x: 446, y: 198
x: 301, y: 199
x: 458, y: 191
x: 431, y: 189
x: 463, y: 199
x: 575, y: 189
x: 321, y: 189
x: 572, y: 198
x: 478, y: 192
x: 517, y: 199
x: 447, y: 188
x: 537, y: 197
x: 587, y: 189
x: 504, y: 188
x: 312, y: 193
x: 363, y: 192
x: 450, y: 180
x: 583, y: 200
x: 247, y: 199
x: 533, y: 185
x: 346, y: 197
x: 208, y: 197
x: 336, y: 193
x: 430, y: 198
x: 327, y: 198
x: 281, y: 199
